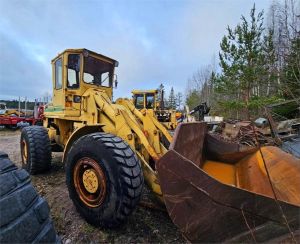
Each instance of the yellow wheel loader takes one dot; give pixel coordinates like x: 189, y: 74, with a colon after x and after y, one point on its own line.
x: 213, y: 190
x: 148, y: 99
x: 9, y: 112
x: 3, y: 109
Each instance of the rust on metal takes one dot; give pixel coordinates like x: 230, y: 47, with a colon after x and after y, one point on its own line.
x: 212, y: 200
x: 273, y: 126
x: 225, y: 151
x: 191, y: 134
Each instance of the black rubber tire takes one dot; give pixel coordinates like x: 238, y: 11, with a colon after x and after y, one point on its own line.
x: 24, y: 214
x: 124, y: 178
x: 38, y: 149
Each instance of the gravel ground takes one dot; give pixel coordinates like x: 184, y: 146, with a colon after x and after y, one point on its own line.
x: 143, y: 226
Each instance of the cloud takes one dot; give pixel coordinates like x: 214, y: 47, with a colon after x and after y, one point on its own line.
x: 154, y: 41
x: 21, y: 74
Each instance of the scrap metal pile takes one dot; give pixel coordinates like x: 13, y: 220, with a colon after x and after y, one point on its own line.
x: 274, y: 130
x: 244, y: 133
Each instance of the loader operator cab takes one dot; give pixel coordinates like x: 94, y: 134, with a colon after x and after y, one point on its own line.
x: 152, y: 101
x: 144, y: 99
x: 75, y: 71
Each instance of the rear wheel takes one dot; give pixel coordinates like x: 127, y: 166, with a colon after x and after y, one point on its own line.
x: 104, y: 179
x: 35, y: 149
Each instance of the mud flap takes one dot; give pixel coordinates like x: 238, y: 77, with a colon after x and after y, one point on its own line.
x: 206, y: 210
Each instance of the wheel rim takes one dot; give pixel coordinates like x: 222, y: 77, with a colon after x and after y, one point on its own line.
x: 90, y: 182
x: 24, y: 151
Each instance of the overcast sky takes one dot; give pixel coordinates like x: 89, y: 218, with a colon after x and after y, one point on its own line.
x: 154, y: 41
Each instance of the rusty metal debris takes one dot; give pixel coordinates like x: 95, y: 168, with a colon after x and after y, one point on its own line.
x: 241, y: 132
x: 285, y: 130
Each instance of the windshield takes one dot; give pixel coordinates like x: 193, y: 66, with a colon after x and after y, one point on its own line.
x: 97, y: 72
x: 149, y: 101
x: 139, y: 101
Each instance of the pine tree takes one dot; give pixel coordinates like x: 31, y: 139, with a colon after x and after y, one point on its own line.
x: 291, y: 71
x: 172, y: 99
x: 271, y: 84
x: 243, y: 61
x: 193, y: 99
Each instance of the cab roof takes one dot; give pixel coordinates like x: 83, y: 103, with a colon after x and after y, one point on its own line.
x: 144, y: 91
x: 80, y: 50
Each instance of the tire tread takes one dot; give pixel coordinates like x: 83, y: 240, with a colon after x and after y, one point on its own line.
x: 129, y: 171
x: 24, y: 214
x: 39, y: 147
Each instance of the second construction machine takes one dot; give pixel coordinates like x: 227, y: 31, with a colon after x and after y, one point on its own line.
x: 213, y: 190
x: 153, y: 101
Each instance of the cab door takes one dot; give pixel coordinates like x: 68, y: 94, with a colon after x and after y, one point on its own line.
x: 73, y: 97
x: 58, y: 92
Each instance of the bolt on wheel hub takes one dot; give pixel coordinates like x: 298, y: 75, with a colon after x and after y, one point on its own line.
x: 90, y: 180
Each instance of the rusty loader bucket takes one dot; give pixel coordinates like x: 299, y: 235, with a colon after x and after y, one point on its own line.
x: 215, y: 191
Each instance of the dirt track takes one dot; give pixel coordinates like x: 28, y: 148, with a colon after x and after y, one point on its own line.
x: 144, y: 225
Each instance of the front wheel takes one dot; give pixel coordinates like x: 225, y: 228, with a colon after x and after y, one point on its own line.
x: 104, y: 179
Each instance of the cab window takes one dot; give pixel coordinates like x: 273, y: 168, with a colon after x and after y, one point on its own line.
x: 97, y: 72
x: 149, y: 101
x: 139, y: 101
x: 58, y: 74
x: 73, y: 71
